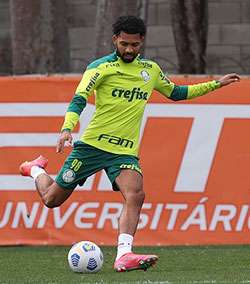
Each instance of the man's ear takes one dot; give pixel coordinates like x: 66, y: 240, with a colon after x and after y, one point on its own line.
x: 114, y: 39
x: 142, y: 39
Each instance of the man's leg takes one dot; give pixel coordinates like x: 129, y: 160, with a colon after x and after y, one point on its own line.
x: 52, y: 195
x: 130, y: 183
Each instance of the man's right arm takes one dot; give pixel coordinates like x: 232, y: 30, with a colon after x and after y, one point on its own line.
x: 89, y: 82
x: 73, y: 113
x: 71, y: 118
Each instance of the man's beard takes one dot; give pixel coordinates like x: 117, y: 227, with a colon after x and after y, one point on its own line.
x: 128, y: 59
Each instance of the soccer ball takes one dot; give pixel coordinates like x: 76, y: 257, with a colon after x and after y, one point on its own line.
x: 85, y: 257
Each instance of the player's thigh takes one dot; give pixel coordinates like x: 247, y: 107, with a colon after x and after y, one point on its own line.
x: 130, y: 184
x: 124, y: 173
x: 56, y: 195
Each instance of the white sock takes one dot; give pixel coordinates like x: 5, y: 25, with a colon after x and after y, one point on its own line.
x: 125, y: 242
x: 36, y: 171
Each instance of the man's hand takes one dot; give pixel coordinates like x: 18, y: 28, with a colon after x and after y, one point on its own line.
x: 228, y: 79
x: 65, y: 136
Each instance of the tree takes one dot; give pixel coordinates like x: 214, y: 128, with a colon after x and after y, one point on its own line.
x: 5, y: 56
x: 107, y: 12
x: 190, y: 28
x: 40, y: 41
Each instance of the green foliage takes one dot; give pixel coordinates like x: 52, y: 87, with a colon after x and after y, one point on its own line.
x: 196, y: 265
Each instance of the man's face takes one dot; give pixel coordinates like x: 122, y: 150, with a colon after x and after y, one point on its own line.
x: 128, y: 45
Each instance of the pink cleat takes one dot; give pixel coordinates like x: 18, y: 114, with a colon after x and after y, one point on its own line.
x: 25, y: 167
x: 131, y: 261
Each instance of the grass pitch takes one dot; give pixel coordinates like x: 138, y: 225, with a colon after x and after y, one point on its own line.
x: 196, y: 265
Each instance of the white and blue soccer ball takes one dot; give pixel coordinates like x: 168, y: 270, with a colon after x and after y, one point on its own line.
x: 85, y: 257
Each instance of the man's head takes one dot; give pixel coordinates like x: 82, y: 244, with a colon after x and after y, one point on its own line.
x: 128, y: 37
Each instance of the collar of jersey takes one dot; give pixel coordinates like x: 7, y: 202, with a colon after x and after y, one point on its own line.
x: 138, y: 57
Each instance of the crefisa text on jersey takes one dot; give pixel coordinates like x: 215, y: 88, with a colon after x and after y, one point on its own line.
x: 92, y: 81
x: 130, y: 94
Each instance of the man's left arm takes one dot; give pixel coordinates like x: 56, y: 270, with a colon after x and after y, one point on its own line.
x: 176, y: 93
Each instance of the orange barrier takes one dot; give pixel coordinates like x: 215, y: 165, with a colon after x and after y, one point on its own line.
x: 195, y: 157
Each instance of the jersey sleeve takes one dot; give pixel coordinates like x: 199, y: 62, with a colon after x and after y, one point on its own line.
x: 163, y: 84
x: 90, y: 80
x: 176, y: 93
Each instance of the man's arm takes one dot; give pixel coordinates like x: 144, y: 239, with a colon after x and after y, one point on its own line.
x: 228, y: 79
x: 176, y: 93
x: 204, y: 88
x: 72, y: 116
x: 89, y: 82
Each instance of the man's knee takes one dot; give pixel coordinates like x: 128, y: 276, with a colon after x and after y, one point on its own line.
x: 51, y: 201
x: 141, y: 196
x: 55, y: 196
x: 136, y: 196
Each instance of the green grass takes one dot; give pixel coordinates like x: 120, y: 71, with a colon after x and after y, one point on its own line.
x: 48, y: 265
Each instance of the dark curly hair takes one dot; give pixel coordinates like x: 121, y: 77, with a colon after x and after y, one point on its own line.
x: 129, y: 25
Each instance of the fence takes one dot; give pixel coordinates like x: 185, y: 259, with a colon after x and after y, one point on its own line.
x: 195, y: 157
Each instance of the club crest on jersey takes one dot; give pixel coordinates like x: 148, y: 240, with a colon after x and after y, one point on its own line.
x: 145, y: 75
x: 68, y: 176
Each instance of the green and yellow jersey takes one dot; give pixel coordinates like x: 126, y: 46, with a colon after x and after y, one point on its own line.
x: 122, y: 91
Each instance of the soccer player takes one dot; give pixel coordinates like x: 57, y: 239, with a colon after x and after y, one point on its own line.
x: 122, y: 82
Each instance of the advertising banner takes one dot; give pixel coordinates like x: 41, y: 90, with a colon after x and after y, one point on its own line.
x: 195, y: 157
